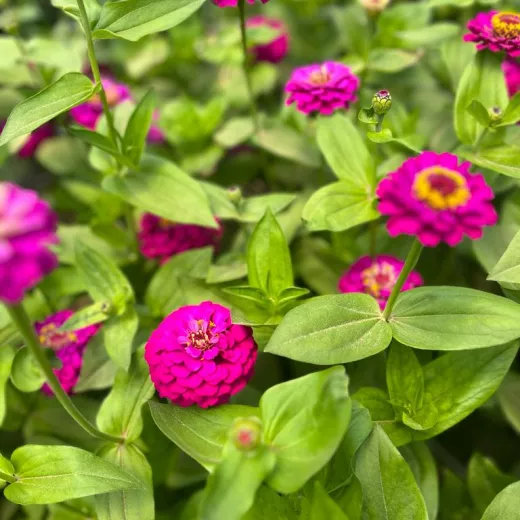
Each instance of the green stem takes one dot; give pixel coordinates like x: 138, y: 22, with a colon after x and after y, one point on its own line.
x: 95, y: 72
x: 478, y: 143
x: 373, y: 238
x: 411, y: 262
x: 379, y: 124
x: 35, y: 71
x: 130, y: 224
x: 8, y: 478
x: 24, y: 325
x: 246, y: 62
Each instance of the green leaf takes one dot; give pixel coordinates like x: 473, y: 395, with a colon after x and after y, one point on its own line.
x: 506, y: 505
x: 323, y: 506
x: 120, y: 413
x: 234, y: 132
x: 268, y: 257
x: 137, y: 504
x: 26, y: 374
x: 502, y: 159
x: 70, y: 90
x: 202, y: 434
x: 454, y: 318
x: 509, y: 399
x: 483, y: 81
x: 480, y: 113
x: 508, y: 267
x: 390, y: 491
x: 304, y: 421
x: 345, y: 327
x: 6, y: 360
x: 339, y: 206
x: 512, y: 113
x: 91, y: 315
x: 254, y: 208
x: 391, y: 60
x: 422, y: 418
x: 247, y: 293
x: 138, y: 126
x: 368, y: 116
x: 50, y: 474
x: 71, y: 8
x: 269, y: 505
x: 231, y: 488
x: 431, y: 35
x: 133, y: 19
x: 119, y: 332
x: 165, y: 190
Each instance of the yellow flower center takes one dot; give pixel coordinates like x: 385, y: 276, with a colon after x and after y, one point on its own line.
x: 165, y: 223
x: 441, y: 188
x: 319, y: 77
x: 53, y: 338
x: 506, y: 24
x: 377, y: 277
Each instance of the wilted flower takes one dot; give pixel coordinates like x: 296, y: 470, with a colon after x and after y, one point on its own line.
x: 198, y: 356
x: 275, y: 50
x: 375, y: 6
x: 68, y: 347
x: 234, y: 3
x: 377, y: 277
x: 322, y: 88
x: 437, y: 199
x: 160, y: 238
x: 496, y: 31
x: 34, y: 139
x: 27, y: 228
x: 382, y: 102
x: 511, y: 70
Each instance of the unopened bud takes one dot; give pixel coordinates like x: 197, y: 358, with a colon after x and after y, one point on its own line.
x: 495, y: 113
x: 374, y: 6
x: 246, y: 433
x: 234, y: 194
x: 382, y: 102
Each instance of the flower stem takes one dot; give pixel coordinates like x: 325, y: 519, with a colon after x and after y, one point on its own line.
x: 478, y: 143
x: 95, y: 71
x: 411, y: 262
x: 24, y: 325
x: 8, y: 478
x: 246, y: 62
x: 379, y: 124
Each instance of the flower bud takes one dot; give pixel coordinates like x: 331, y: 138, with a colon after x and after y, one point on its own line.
x: 382, y: 102
x: 246, y: 433
x: 374, y: 6
x: 495, y: 114
x: 234, y: 194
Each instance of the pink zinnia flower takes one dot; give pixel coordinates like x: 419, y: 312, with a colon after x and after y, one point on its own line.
x: 511, y: 70
x: 322, y: 88
x: 234, y: 3
x: 437, y: 199
x: 275, y: 50
x: 496, y: 31
x: 377, y: 277
x: 34, y: 139
x: 68, y: 347
x: 160, y: 238
x: 197, y: 356
x: 27, y: 228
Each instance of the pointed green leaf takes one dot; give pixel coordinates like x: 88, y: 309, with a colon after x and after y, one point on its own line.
x: 138, y: 127
x: 506, y: 505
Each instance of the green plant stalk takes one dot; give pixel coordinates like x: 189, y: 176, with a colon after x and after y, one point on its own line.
x: 379, y: 124
x: 8, y: 478
x: 24, y: 325
x: 411, y: 262
x: 246, y: 62
x: 478, y: 142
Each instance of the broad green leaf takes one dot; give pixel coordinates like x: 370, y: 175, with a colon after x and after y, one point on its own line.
x: 304, y: 421
x: 268, y: 257
x: 162, y: 188
x: 120, y: 413
x: 202, y: 434
x: 133, y: 19
x: 231, y: 488
x: 508, y: 267
x: 119, y: 332
x: 70, y: 7
x: 454, y: 498
x: 480, y: 113
x: 391, y: 60
x: 432, y: 35
x: 98, y: 371
x: 70, y: 90
x: 509, y: 399
x: 269, y: 505
x: 512, y: 112
x: 6, y: 360
x: 454, y: 318
x: 90, y: 315
x: 339, y: 206
x: 254, y: 208
x: 502, y: 159
x: 390, y: 491
x: 135, y: 504
x: 50, y: 474
x: 483, y: 80
x: 7, y: 469
x: 506, y: 505
x: 332, y: 329
x: 323, y: 506
x: 234, y: 132
x: 26, y: 374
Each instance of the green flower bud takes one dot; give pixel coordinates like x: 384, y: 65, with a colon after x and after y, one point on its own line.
x: 495, y: 113
x: 234, y: 194
x: 246, y: 433
x: 382, y: 102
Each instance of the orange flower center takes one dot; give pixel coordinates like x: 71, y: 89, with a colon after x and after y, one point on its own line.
x: 506, y: 24
x: 379, y: 277
x: 55, y: 339
x: 319, y: 77
x: 441, y: 188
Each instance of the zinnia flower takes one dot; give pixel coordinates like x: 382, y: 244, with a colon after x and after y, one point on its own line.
x: 68, y: 347
x: 496, y: 31
x: 375, y: 6
x: 160, y: 238
x: 322, y: 88
x: 198, y: 356
x: 34, y: 139
x: 234, y: 3
x: 437, y: 199
x: 511, y: 70
x: 275, y: 50
x: 377, y: 277
x: 27, y: 228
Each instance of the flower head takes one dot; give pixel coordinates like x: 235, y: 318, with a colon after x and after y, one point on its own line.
x: 437, y: 199
x: 496, y: 31
x: 160, y: 238
x: 234, y: 3
x: 246, y: 433
x: 68, y: 347
x: 375, y: 6
x: 27, y: 228
x: 275, y: 50
x: 198, y: 356
x: 382, y: 102
x: 511, y: 70
x: 377, y: 277
x: 322, y: 88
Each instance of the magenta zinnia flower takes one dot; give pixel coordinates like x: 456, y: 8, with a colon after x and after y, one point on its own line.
x: 496, y: 31
x: 234, y: 3
x: 160, y: 238
x: 322, y: 88
x: 27, y: 228
x: 437, y: 199
x: 34, y: 139
x: 197, y: 356
x: 275, y: 50
x: 511, y: 70
x: 68, y: 347
x: 377, y: 277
